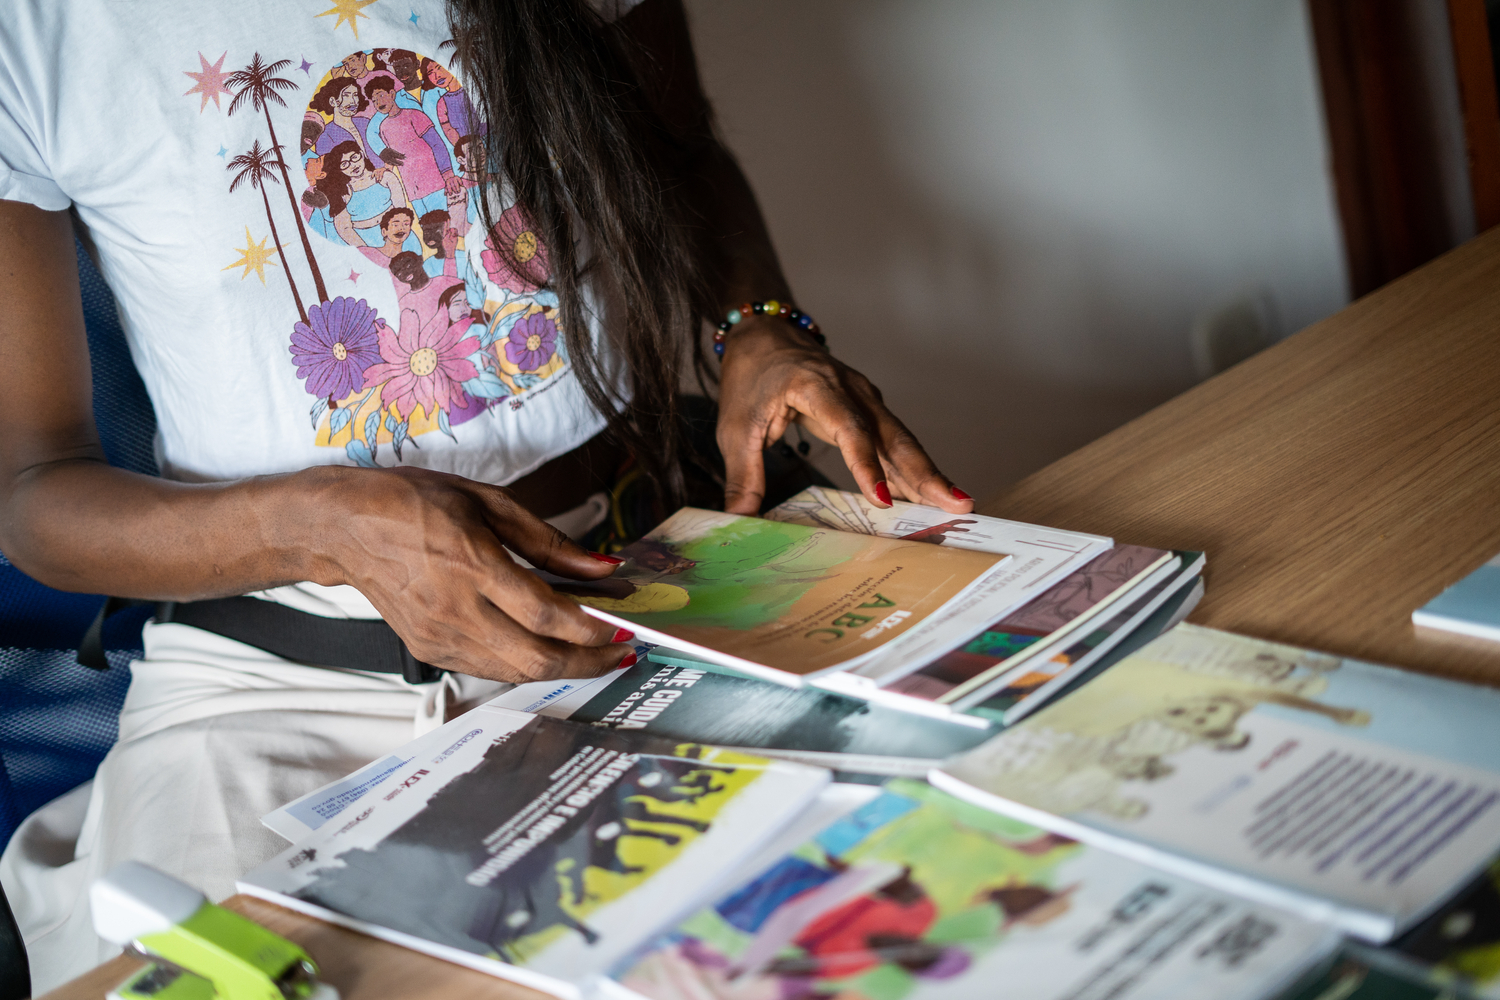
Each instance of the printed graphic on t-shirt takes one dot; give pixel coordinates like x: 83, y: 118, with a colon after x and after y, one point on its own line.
x: 390, y: 148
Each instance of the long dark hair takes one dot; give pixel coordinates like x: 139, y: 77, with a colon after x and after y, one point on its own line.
x: 574, y: 132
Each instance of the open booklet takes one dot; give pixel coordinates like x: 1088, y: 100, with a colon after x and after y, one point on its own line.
x: 536, y: 849
x: 1359, y: 794
x: 918, y: 894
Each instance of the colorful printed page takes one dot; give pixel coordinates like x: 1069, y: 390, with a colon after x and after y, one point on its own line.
x: 1046, y: 623
x: 917, y: 894
x: 1042, y: 557
x: 1034, y: 683
x: 683, y: 701
x: 1358, y: 973
x: 1470, y: 607
x: 540, y: 850
x: 1363, y: 794
x: 779, y: 600
x: 1462, y: 939
x: 1017, y: 696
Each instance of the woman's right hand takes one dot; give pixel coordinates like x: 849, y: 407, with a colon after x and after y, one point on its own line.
x: 429, y: 551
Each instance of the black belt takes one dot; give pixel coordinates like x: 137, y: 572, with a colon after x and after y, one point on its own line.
x: 352, y: 643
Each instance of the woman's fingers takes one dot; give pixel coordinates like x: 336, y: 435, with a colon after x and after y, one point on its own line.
x: 828, y: 410
x: 540, y: 609
x: 909, y: 465
x: 484, y: 641
x: 538, y: 542
x: 742, y: 443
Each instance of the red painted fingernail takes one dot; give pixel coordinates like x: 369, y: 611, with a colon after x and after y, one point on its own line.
x: 959, y: 494
x: 629, y: 661
x: 612, y: 560
x: 623, y: 635
x: 883, y: 493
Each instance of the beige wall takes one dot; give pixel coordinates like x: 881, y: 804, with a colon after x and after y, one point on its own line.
x: 1009, y: 213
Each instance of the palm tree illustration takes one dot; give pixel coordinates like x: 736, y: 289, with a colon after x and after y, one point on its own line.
x: 254, y: 165
x: 259, y: 86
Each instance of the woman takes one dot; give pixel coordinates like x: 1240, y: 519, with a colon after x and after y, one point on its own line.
x: 359, y: 195
x: 601, y: 138
x: 455, y: 113
x: 341, y: 100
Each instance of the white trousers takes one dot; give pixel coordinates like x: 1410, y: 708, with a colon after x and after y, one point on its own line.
x: 213, y: 735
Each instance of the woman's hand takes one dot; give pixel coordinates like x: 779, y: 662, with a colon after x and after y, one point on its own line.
x: 774, y: 376
x: 429, y: 551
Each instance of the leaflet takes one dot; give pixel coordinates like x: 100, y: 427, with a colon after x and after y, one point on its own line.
x: 541, y: 851
x: 1360, y: 794
x: 917, y: 894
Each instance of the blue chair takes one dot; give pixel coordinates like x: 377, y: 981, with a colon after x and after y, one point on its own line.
x: 58, y: 718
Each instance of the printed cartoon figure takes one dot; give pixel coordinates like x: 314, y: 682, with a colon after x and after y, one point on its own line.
x: 1067, y: 772
x: 455, y: 114
x: 358, y: 193
x: 396, y: 236
x: 341, y: 100
x: 1270, y: 670
x: 425, y: 167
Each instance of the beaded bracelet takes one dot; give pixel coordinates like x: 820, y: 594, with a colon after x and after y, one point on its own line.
x: 784, y: 310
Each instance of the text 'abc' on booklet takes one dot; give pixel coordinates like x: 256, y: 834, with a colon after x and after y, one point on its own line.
x: 536, y: 849
x: 1358, y: 794
x: 784, y: 600
x: 919, y: 894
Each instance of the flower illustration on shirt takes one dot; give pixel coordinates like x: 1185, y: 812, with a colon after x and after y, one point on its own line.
x: 425, y: 367
x: 532, y: 342
x: 515, y: 257
x: 335, y: 347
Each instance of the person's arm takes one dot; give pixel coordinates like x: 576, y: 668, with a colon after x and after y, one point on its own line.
x: 426, y: 548
x: 772, y: 375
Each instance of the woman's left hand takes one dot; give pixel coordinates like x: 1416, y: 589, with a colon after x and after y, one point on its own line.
x: 774, y: 375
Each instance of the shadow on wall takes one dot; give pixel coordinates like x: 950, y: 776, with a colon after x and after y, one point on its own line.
x: 1010, y: 314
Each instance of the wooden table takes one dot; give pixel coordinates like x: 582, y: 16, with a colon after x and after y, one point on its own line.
x: 1336, y: 481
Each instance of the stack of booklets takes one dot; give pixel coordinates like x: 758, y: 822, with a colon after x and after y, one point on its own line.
x: 1189, y: 814
x: 905, y: 606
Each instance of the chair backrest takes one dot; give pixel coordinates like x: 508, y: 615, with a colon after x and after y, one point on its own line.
x: 57, y: 718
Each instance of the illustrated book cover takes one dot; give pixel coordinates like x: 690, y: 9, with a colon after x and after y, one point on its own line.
x: 782, y: 601
x: 669, y: 696
x: 536, y: 849
x: 1360, y: 794
x: 918, y: 894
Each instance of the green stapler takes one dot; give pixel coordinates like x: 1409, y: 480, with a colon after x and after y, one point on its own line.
x: 197, y: 951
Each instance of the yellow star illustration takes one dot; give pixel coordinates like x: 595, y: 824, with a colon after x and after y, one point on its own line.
x: 348, y: 10
x: 253, y: 256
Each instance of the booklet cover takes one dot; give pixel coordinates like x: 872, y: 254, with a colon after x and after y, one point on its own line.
x: 687, y: 701
x: 1357, y: 973
x: 1362, y: 794
x: 1034, y: 683
x: 1470, y: 607
x: 537, y: 849
x: 918, y: 894
x: 1040, y: 625
x: 1007, y: 703
x: 779, y: 600
x: 1461, y: 941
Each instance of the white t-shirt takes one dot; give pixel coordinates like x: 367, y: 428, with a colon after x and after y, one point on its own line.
x: 236, y: 195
